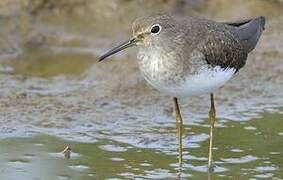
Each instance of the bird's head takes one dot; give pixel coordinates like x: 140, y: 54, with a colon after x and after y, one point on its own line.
x: 147, y: 31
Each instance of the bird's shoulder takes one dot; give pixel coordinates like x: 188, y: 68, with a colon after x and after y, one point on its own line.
x: 216, y: 41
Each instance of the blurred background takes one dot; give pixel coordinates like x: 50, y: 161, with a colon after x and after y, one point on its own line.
x: 51, y: 84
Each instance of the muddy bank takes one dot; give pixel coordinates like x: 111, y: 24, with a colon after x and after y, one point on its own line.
x: 42, y: 22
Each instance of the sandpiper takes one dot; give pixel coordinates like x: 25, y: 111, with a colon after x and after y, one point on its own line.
x: 190, y: 56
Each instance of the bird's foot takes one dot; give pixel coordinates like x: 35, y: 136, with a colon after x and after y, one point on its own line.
x: 211, y: 167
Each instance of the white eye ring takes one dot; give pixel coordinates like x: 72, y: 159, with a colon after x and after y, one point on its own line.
x: 155, y: 29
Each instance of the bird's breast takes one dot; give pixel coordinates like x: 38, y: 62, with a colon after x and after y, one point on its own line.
x: 160, y: 68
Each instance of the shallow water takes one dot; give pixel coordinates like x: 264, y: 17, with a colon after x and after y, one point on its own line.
x: 243, y: 150
x: 54, y: 93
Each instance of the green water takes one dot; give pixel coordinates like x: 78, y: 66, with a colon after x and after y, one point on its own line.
x: 243, y: 150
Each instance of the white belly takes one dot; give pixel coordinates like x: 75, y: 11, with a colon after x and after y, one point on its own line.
x: 205, y: 81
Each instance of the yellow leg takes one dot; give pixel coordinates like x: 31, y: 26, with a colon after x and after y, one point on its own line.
x: 212, y: 114
x: 179, y: 126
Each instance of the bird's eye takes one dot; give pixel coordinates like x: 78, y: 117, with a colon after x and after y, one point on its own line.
x: 155, y: 29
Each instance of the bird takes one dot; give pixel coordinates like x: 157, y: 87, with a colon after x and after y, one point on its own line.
x: 189, y: 56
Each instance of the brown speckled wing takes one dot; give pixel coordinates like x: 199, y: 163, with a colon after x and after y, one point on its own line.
x: 221, y: 48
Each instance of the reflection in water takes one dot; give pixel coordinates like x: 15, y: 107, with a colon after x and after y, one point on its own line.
x: 243, y: 155
x: 45, y: 62
x: 67, y: 152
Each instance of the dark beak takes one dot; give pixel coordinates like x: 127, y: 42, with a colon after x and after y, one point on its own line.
x: 124, y: 45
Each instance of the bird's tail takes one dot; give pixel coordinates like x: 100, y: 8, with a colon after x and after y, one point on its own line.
x: 249, y: 31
